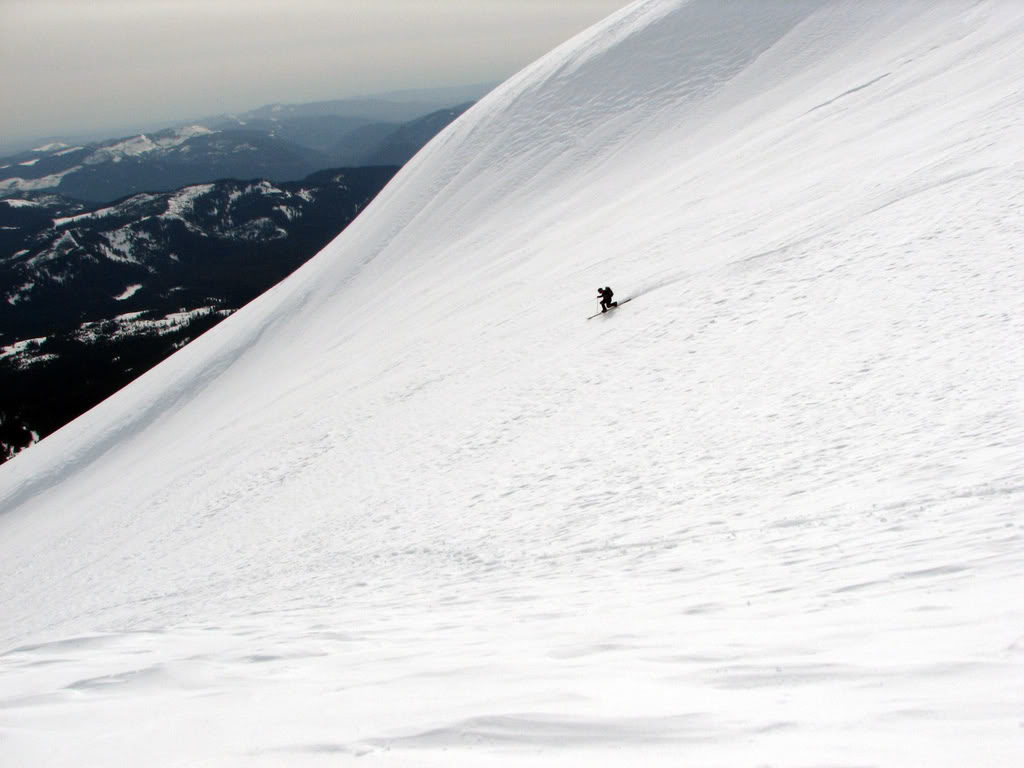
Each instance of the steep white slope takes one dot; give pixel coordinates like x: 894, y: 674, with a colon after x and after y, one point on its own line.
x: 409, y: 505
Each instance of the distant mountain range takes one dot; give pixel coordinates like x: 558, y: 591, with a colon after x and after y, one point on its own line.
x: 390, y: 107
x: 393, y: 107
x: 279, y: 143
x: 92, y: 296
x: 94, y: 293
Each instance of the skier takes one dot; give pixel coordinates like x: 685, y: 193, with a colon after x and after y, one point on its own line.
x: 605, y: 295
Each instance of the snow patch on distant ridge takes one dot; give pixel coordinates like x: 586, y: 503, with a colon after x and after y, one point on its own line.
x: 32, y: 185
x: 128, y: 292
x: 183, y: 203
x: 143, y: 144
x: 19, y: 347
x: 98, y: 214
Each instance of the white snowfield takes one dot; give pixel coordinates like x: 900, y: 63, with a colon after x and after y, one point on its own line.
x: 409, y: 508
x: 143, y: 144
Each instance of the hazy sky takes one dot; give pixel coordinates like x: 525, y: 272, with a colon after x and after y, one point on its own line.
x: 76, y: 66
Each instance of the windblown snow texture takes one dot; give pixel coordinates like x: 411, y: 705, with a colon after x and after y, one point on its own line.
x: 410, y: 506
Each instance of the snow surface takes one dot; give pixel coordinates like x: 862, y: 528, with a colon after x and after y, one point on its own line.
x: 408, y: 508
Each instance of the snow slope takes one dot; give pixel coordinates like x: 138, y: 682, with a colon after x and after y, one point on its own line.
x: 410, y: 507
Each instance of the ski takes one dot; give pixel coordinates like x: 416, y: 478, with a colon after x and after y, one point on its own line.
x: 617, y: 304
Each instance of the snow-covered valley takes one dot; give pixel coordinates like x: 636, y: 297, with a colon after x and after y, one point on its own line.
x: 411, y: 508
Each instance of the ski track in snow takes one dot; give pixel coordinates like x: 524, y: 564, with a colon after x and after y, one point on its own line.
x: 409, y: 508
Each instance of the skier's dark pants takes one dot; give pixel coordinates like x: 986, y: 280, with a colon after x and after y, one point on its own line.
x: 606, y: 305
